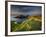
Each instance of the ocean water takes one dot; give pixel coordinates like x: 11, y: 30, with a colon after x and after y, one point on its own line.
x: 17, y: 19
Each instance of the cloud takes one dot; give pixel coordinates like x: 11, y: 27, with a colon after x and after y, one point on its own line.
x: 26, y: 10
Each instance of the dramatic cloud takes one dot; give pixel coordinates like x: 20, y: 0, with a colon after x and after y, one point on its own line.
x: 25, y: 10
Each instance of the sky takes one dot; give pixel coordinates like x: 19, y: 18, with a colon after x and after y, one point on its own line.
x: 26, y: 10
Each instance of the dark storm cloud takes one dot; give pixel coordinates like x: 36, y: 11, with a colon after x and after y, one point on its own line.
x: 22, y: 8
x: 25, y: 10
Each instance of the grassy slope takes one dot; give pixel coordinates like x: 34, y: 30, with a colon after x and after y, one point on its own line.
x: 33, y: 23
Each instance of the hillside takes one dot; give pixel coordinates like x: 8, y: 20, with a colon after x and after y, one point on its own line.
x: 30, y: 24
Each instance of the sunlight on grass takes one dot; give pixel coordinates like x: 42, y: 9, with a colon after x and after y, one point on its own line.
x: 30, y: 24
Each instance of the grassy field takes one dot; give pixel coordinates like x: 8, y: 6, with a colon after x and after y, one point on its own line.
x: 32, y: 23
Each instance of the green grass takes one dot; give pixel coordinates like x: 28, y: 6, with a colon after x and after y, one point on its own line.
x: 26, y: 25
